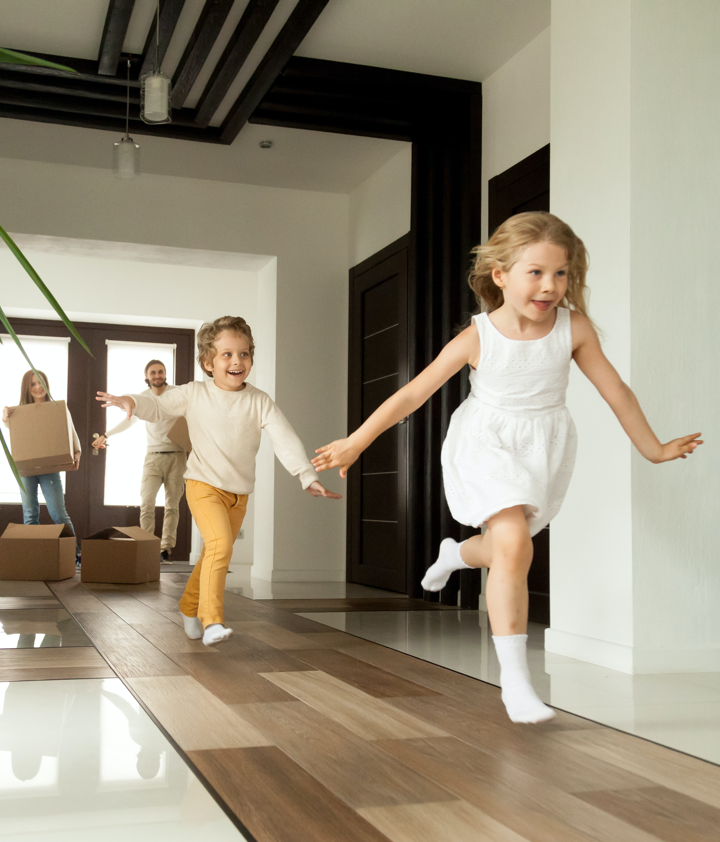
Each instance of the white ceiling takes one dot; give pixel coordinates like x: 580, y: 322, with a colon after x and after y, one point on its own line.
x: 467, y: 39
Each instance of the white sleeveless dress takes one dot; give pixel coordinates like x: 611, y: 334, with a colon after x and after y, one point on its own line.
x: 513, y: 442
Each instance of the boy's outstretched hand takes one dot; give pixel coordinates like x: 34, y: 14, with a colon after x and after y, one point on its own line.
x: 339, y: 454
x: 318, y: 490
x: 680, y: 448
x: 124, y: 402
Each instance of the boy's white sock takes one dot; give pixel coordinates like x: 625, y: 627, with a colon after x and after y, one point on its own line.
x: 520, y: 700
x: 215, y: 633
x: 448, y: 560
x: 193, y: 627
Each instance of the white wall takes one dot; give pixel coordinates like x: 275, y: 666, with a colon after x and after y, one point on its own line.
x: 380, y: 207
x: 516, y: 112
x: 306, y: 231
x: 633, y: 553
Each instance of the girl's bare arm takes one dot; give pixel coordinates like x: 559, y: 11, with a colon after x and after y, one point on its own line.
x: 465, y: 347
x: 593, y: 363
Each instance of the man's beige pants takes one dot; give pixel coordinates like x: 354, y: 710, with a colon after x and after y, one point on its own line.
x: 162, y: 469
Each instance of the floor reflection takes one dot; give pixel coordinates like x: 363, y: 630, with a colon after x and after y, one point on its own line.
x: 681, y: 711
x: 81, y: 757
x: 37, y: 628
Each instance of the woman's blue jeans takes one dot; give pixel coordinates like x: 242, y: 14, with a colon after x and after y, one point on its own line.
x: 52, y: 490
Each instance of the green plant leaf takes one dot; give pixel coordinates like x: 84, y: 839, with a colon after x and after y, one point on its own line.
x: 9, y: 328
x: 13, y: 57
x: 41, y: 286
x: 11, y: 461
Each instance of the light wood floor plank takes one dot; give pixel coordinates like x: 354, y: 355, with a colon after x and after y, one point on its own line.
x: 455, y: 821
x: 56, y: 673
x: 274, y: 636
x: 657, y: 764
x: 13, y: 602
x: 193, y: 716
x: 76, y: 598
x: 354, y: 769
x: 232, y: 681
x: 369, y: 718
x: 24, y: 589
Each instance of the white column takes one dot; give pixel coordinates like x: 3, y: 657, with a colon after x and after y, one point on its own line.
x: 634, y: 127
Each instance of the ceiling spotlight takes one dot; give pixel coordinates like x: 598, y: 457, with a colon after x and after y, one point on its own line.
x: 126, y: 163
x: 155, y: 88
x: 266, y: 144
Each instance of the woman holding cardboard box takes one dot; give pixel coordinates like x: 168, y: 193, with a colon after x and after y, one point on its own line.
x: 33, y: 391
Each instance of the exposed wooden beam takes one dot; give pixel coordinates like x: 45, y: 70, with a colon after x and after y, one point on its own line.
x: 169, y: 14
x: 291, y: 35
x: 207, y: 29
x: 86, y: 69
x: 256, y: 15
x: 113, y: 37
x: 66, y: 87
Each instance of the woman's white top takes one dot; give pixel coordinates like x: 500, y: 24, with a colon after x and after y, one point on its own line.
x: 513, y: 442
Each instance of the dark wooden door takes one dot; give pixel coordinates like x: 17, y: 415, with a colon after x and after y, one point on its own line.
x: 85, y: 488
x: 526, y: 187
x: 377, y: 487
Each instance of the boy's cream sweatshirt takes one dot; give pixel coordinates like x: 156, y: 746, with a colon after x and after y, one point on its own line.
x: 225, y: 432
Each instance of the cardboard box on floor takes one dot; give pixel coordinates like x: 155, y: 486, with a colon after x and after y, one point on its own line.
x: 37, y: 553
x: 179, y: 434
x: 41, y: 438
x: 124, y: 555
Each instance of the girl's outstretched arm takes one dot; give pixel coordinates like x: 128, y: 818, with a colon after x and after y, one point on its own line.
x: 463, y: 349
x: 593, y: 363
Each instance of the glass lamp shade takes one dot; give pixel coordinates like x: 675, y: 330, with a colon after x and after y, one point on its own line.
x: 155, y: 95
x: 126, y: 158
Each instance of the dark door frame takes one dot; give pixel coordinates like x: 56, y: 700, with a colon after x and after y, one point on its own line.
x: 442, y: 118
x: 89, y: 416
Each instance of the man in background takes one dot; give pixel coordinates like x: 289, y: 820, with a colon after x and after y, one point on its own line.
x: 164, y: 465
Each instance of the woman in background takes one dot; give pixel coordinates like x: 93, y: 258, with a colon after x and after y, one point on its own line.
x: 33, y: 391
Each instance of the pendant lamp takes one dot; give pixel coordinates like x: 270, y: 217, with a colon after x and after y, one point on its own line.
x: 126, y: 153
x: 155, y: 88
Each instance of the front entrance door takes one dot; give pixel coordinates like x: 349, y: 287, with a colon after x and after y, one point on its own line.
x: 377, y: 486
x: 106, y: 489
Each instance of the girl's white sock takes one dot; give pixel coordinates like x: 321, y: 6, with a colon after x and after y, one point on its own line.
x: 193, y: 627
x: 448, y: 560
x: 520, y: 700
x: 215, y: 633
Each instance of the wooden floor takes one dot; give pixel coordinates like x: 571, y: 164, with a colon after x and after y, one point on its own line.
x: 310, y: 735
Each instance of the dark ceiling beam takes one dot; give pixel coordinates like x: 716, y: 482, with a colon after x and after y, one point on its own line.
x: 66, y: 87
x: 113, y: 124
x: 357, y: 126
x: 86, y: 70
x: 169, y: 14
x: 207, y: 29
x: 113, y: 37
x: 256, y: 15
x: 289, y: 39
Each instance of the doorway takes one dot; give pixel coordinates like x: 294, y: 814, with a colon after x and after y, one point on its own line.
x: 526, y: 187
x: 378, y: 367
x: 105, y: 491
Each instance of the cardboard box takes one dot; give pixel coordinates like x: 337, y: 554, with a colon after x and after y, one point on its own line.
x: 179, y: 434
x: 37, y: 553
x: 121, y: 555
x: 41, y: 438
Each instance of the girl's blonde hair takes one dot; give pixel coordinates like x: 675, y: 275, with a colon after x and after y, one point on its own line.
x: 25, y: 393
x: 511, y: 239
x: 210, y: 331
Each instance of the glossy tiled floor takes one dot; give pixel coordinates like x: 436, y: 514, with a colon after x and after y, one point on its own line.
x: 679, y: 711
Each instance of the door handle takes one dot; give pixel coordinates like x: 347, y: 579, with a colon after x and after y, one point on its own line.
x: 404, y: 421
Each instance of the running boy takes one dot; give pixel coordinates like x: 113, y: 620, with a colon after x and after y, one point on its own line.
x: 225, y: 417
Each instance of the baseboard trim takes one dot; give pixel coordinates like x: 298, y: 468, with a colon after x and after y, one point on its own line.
x: 631, y: 659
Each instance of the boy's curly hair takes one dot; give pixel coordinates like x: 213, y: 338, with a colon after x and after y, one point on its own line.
x: 210, y: 331
x: 511, y: 239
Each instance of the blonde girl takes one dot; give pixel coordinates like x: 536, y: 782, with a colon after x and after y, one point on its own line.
x: 510, y: 447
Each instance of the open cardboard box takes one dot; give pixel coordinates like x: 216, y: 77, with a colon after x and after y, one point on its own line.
x: 41, y: 438
x: 121, y: 555
x: 37, y: 553
x: 179, y: 434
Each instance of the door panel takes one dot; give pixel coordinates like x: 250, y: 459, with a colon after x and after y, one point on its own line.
x: 377, y: 486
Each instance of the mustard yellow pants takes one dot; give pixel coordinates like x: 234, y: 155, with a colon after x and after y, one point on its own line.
x: 219, y: 515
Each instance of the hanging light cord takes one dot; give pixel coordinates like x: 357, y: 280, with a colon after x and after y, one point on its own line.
x: 127, y: 106
x: 157, y: 39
